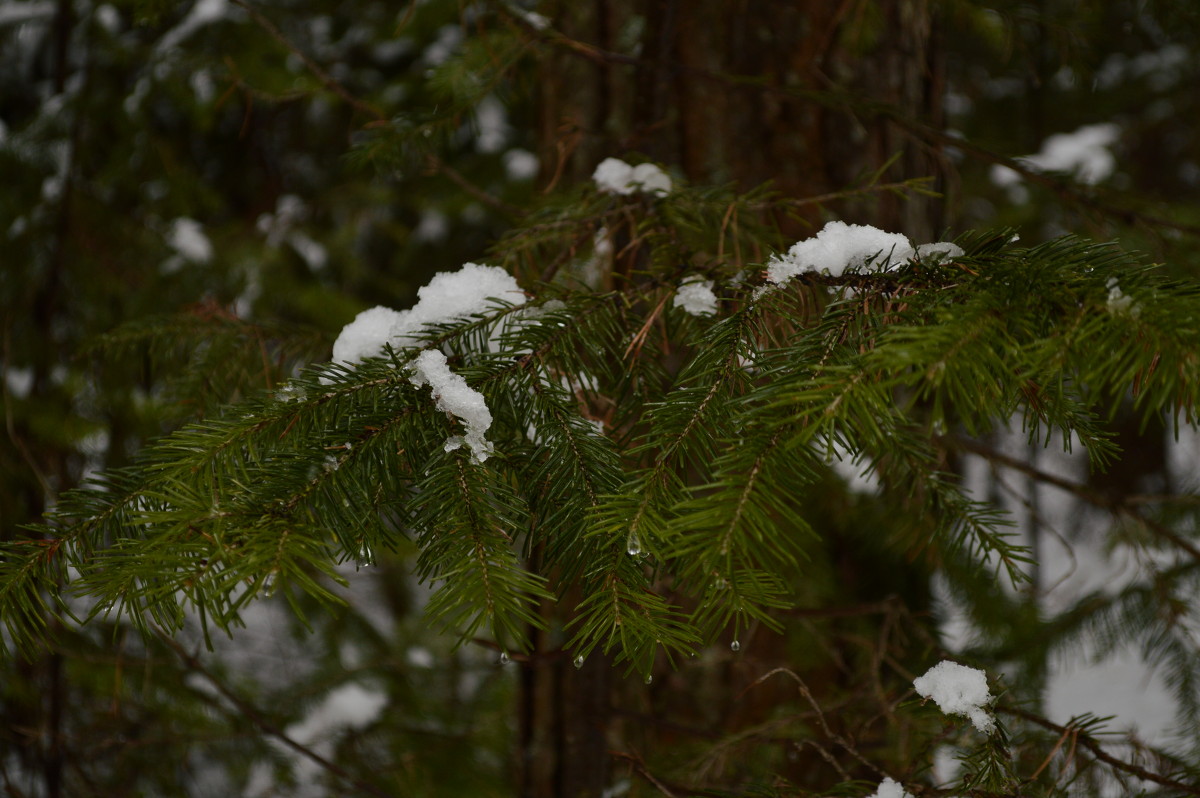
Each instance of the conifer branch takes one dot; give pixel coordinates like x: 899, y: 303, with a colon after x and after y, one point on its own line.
x: 1115, y: 505
x: 1097, y: 750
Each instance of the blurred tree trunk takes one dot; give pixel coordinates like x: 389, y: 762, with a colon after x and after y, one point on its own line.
x: 744, y: 92
x: 725, y: 91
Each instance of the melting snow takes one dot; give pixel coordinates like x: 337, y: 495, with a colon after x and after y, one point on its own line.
x: 695, y: 296
x: 453, y: 395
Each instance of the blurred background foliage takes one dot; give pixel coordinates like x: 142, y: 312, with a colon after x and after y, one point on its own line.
x: 197, y: 196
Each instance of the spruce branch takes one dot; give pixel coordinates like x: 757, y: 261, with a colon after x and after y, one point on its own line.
x: 1094, y: 746
x: 1118, y: 506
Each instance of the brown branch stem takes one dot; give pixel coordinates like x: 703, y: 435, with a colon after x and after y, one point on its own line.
x: 251, y: 713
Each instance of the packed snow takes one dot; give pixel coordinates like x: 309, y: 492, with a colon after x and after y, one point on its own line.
x: 839, y: 247
x: 695, y: 296
x: 454, y: 396
x: 614, y: 176
x: 836, y: 248
x: 958, y: 690
x: 890, y: 788
x: 449, y: 296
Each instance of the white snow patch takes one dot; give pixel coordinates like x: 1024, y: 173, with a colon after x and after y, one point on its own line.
x: 1118, y: 301
x: 858, y: 472
x: 536, y: 21
x: 520, y: 164
x: 614, y: 176
x: 1085, y: 154
x: 432, y: 228
x: 890, y: 788
x: 695, y: 296
x: 18, y: 381
x: 349, y: 707
x: 205, y: 12
x: 420, y: 657
x: 838, y: 247
x: 454, y: 396
x: 289, y: 209
x: 449, y: 39
x: 365, y: 336
x: 449, y: 296
x: 16, y: 13
x: 109, y: 18
x: 491, y: 120
x: 202, y: 85
x: 188, y: 239
x: 939, y: 252
x: 313, y: 252
x: 958, y: 690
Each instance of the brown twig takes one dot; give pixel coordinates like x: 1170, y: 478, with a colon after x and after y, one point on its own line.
x: 847, y: 102
x: 252, y: 714
x: 1117, y: 507
x: 1099, y: 753
x: 640, y: 767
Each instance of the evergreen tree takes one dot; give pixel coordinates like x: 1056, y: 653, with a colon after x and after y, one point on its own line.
x: 689, y: 458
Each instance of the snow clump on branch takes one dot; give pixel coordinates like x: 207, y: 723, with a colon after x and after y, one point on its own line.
x: 1118, y: 300
x: 614, y: 176
x: 958, y: 690
x: 454, y: 396
x: 449, y: 296
x: 695, y: 296
x: 890, y: 788
x: 839, y: 247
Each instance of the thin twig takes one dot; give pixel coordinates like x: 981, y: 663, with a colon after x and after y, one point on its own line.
x: 1094, y: 497
x: 642, y: 771
x: 377, y: 115
x: 1098, y: 751
x: 1069, y: 190
x: 256, y: 717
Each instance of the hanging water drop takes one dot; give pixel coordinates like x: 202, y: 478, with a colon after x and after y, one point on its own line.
x: 634, y: 546
x: 649, y: 678
x: 504, y: 658
x: 735, y: 646
x: 579, y: 662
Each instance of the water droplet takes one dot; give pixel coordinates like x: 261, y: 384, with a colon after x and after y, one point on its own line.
x: 504, y: 657
x: 634, y: 546
x: 649, y: 678
x: 735, y: 646
x: 579, y: 662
